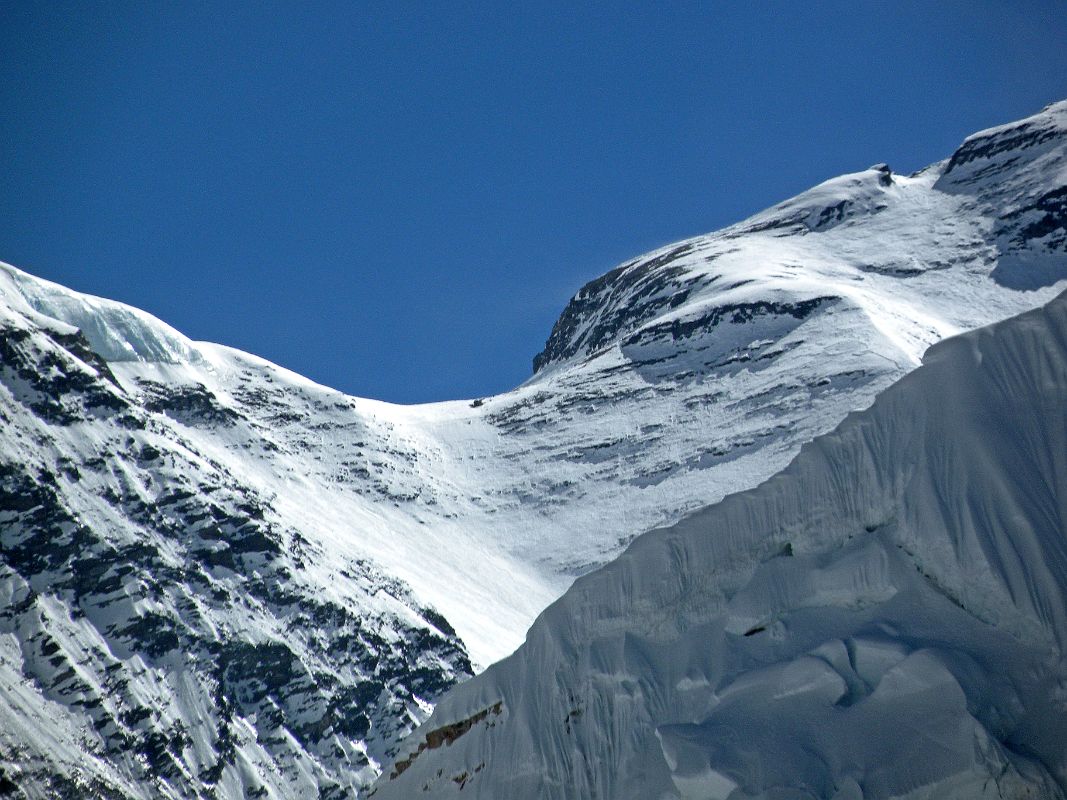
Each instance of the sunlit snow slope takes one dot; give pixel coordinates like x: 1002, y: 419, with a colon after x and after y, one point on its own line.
x: 886, y: 618
x: 220, y: 577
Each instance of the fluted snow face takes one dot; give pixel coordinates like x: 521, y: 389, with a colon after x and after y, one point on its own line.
x: 884, y: 618
x: 407, y: 540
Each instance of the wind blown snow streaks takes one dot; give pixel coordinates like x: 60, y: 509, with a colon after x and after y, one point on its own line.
x: 885, y: 618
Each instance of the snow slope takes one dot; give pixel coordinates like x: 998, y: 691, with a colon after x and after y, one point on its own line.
x: 164, y: 630
x: 885, y: 618
x: 180, y: 519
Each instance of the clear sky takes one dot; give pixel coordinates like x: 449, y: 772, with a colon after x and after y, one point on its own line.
x: 398, y: 199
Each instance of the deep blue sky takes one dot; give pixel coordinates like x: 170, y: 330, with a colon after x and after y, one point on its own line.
x: 398, y: 203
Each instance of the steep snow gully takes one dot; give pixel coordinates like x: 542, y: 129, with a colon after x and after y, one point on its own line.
x: 219, y: 579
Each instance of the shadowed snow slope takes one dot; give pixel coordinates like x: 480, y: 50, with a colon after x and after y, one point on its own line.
x: 219, y: 578
x: 885, y: 618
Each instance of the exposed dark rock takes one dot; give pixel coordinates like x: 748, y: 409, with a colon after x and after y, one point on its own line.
x: 190, y: 405
x: 1015, y: 138
x: 621, y: 299
x: 183, y: 546
x: 735, y: 313
x: 445, y: 735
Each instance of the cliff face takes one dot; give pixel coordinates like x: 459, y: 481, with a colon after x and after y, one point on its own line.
x: 165, y: 631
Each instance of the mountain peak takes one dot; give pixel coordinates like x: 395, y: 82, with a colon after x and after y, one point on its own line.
x: 222, y: 575
x: 1011, y: 177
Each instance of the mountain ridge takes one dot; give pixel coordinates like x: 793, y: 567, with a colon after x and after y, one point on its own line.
x: 371, y: 556
x: 883, y: 618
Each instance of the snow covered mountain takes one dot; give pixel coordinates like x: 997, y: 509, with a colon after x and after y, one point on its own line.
x: 885, y: 618
x: 221, y: 579
x: 164, y: 630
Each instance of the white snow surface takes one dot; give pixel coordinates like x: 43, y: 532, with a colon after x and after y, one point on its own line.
x: 542, y: 483
x: 885, y: 618
x: 681, y: 377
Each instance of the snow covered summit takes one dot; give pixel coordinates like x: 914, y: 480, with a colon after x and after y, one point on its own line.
x: 220, y: 577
